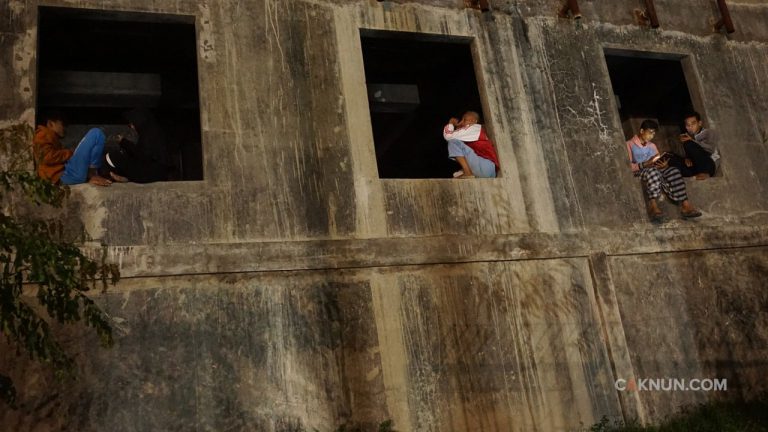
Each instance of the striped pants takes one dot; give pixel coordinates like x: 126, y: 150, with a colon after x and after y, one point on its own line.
x: 668, y: 179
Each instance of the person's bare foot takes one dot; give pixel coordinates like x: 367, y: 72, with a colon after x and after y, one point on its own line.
x: 99, y: 181
x: 466, y: 176
x: 653, y: 208
x: 654, y: 211
x: 118, y: 178
x: 702, y: 176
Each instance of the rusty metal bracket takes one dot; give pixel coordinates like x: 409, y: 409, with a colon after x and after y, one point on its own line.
x: 648, y: 16
x: 725, y: 20
x: 571, y: 6
x: 483, y: 5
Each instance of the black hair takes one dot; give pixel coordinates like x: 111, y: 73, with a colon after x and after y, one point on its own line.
x: 649, y: 124
x: 151, y: 142
x: 693, y: 114
x: 52, y: 115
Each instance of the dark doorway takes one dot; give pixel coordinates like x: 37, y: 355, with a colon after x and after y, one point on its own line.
x: 95, y: 65
x: 416, y: 83
x: 650, y: 86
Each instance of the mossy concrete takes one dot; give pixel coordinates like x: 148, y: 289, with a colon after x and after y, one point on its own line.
x: 293, y: 289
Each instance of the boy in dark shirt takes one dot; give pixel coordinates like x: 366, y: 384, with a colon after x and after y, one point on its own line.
x: 701, y: 154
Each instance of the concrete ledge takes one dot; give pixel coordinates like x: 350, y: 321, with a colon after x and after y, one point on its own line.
x: 190, y: 259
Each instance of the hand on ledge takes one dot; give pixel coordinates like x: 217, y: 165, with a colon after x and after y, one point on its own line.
x: 99, y: 181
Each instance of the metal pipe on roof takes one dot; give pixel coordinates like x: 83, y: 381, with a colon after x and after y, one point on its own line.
x: 650, y: 13
x: 573, y: 7
x: 726, y: 18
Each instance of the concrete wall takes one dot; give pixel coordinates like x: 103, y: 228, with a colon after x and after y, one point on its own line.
x: 292, y: 288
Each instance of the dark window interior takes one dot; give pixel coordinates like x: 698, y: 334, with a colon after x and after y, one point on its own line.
x: 93, y: 66
x: 650, y: 88
x: 415, y: 84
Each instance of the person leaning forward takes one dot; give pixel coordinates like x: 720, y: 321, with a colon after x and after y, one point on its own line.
x: 656, y: 174
x: 61, y: 165
x: 469, y: 145
x: 144, y: 160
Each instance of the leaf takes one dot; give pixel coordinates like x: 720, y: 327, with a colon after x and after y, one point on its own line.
x: 33, y: 253
x: 7, y: 391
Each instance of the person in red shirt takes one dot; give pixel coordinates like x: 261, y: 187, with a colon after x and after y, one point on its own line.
x: 469, y: 145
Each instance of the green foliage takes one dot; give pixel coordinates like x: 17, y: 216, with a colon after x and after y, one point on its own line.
x: 712, y: 417
x: 606, y: 425
x: 385, y: 426
x: 39, y: 265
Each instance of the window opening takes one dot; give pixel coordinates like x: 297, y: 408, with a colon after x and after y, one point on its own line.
x: 93, y: 66
x: 416, y: 83
x: 651, y: 87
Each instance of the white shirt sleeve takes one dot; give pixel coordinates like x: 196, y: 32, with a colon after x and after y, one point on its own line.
x: 466, y: 134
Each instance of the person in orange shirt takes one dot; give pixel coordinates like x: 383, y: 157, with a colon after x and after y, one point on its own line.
x: 65, y: 166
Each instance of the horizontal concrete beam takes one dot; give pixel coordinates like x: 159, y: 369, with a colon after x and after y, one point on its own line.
x: 81, y: 88
x: 394, y: 98
x: 101, y: 83
x: 167, y: 260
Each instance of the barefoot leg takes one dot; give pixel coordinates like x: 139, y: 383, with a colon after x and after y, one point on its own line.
x: 464, y: 165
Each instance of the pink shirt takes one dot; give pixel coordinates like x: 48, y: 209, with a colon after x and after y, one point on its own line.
x: 639, y: 152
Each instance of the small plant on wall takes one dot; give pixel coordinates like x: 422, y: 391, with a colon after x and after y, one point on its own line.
x: 385, y: 426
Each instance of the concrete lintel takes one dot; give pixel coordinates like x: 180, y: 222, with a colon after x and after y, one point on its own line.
x: 169, y: 259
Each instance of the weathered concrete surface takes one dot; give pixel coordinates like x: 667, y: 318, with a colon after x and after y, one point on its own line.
x: 210, y: 353
x: 315, y: 293
x: 494, y: 347
x: 288, y: 150
x: 503, y: 346
x: 577, y: 114
x: 478, y: 346
x: 695, y: 315
x: 172, y: 259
